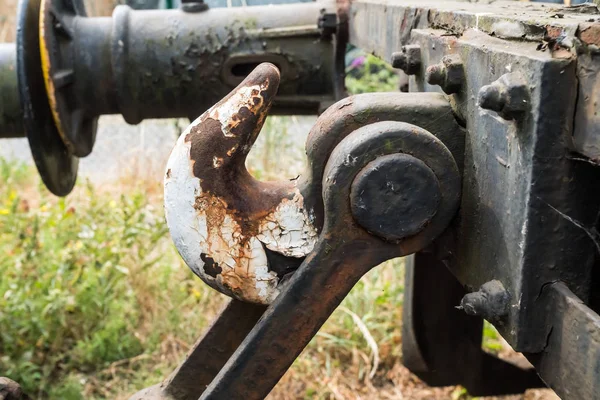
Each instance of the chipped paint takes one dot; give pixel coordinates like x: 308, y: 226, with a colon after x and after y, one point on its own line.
x: 227, y: 111
x: 201, y: 227
x: 289, y: 229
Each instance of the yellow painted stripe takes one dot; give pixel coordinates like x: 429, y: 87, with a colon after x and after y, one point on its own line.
x: 50, y: 92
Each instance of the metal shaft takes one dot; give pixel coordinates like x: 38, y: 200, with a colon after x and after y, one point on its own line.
x: 172, y: 63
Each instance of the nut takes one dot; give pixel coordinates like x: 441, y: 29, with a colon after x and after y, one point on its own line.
x: 408, y: 60
x: 449, y: 74
x: 508, y: 96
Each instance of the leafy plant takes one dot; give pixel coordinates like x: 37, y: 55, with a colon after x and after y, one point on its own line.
x: 367, y: 73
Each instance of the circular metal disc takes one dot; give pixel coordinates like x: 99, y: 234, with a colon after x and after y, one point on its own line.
x: 395, y: 196
x: 56, y: 165
x: 56, y: 22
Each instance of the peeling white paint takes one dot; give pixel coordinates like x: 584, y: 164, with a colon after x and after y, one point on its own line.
x: 289, y: 229
x: 245, y: 272
x: 241, y: 98
x: 200, y: 224
x: 181, y: 188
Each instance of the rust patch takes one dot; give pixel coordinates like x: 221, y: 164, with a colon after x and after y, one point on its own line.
x: 219, y: 159
x: 590, y: 34
x: 553, y: 32
x: 237, y: 216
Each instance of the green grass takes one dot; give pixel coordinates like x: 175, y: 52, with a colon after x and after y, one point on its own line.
x: 97, y: 304
x: 374, y: 76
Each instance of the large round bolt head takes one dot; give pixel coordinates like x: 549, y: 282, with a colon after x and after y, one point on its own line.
x: 395, y: 196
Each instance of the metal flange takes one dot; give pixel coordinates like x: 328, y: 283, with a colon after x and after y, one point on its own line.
x: 55, y: 162
x: 57, y: 33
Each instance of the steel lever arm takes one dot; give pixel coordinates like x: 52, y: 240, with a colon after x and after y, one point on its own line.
x: 345, y: 251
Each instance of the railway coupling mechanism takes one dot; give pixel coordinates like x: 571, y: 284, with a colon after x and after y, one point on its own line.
x: 382, y: 182
x: 484, y: 175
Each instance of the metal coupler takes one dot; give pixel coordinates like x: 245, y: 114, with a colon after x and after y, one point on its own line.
x: 382, y: 182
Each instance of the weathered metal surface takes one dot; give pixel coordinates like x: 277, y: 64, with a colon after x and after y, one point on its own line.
x: 441, y: 344
x: 222, y: 219
x: 224, y: 222
x: 343, y: 253
x: 508, y: 96
x: 449, y: 75
x: 383, y: 26
x: 563, y: 32
x: 520, y: 181
x: 208, y: 355
x: 408, y: 196
x: 408, y: 59
x: 11, y: 116
x: 570, y: 361
x: 430, y: 111
x: 56, y: 165
x: 180, y: 68
x: 529, y: 204
x: 491, y: 301
x: 10, y: 390
x: 518, y: 173
x: 586, y: 134
x: 167, y: 64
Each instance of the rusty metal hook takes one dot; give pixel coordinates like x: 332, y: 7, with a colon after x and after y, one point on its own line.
x: 225, y: 223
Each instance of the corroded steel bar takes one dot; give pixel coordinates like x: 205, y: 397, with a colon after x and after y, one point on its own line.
x: 570, y: 363
x: 171, y: 63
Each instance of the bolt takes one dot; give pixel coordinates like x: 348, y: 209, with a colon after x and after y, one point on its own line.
x: 408, y: 60
x: 193, y: 6
x: 395, y: 196
x: 491, y: 301
x: 508, y: 96
x: 449, y: 74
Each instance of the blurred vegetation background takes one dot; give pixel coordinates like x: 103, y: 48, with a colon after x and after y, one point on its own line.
x: 95, y: 302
